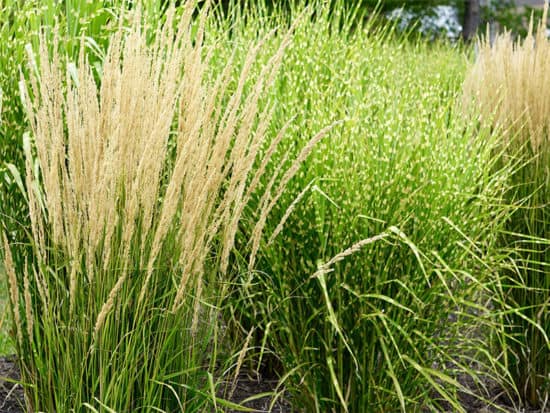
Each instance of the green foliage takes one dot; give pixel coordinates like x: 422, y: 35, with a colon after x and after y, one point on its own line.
x: 525, y: 286
x: 6, y: 346
x: 379, y: 279
x: 401, y: 165
x: 135, y: 187
x: 503, y: 88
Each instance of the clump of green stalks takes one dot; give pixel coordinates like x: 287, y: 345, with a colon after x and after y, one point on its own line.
x: 136, y: 185
x: 506, y: 89
x: 366, y: 299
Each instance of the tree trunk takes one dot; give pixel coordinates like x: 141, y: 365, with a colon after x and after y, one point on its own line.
x: 471, y: 19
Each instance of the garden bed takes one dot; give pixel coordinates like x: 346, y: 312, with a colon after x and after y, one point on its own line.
x: 247, y: 385
x: 349, y: 216
x: 11, y: 395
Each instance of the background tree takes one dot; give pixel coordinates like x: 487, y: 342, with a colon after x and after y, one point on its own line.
x: 472, y: 15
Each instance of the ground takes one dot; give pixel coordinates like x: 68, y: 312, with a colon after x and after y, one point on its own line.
x: 11, y: 395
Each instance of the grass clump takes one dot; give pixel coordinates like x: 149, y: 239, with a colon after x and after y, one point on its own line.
x: 505, y: 88
x: 20, y: 23
x: 136, y: 185
x: 366, y: 297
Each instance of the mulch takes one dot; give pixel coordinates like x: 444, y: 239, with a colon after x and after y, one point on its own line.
x: 246, y: 386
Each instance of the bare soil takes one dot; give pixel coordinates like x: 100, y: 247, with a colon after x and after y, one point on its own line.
x: 11, y: 394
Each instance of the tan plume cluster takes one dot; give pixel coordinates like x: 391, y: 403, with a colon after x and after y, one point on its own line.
x: 508, y: 85
x: 106, y: 176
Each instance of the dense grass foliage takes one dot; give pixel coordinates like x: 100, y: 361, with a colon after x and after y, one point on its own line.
x: 192, y: 192
x: 505, y: 85
x: 6, y: 346
x: 135, y: 188
x: 403, y: 166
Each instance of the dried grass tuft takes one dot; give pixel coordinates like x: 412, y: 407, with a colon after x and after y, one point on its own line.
x: 106, y: 180
x: 507, y: 86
